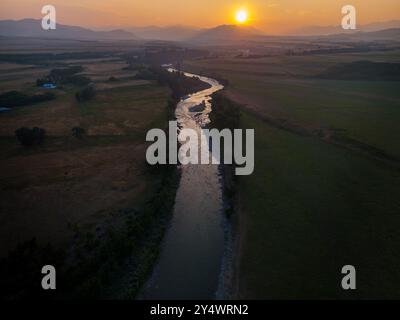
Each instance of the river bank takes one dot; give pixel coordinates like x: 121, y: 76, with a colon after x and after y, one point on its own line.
x: 190, y: 262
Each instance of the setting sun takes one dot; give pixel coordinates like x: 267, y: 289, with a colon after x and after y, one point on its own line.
x: 241, y: 16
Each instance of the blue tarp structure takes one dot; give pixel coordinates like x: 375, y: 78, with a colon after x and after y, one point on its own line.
x: 49, y: 86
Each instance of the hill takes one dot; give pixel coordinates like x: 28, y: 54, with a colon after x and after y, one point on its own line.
x: 382, y: 35
x: 33, y: 28
x: 225, y: 34
x: 330, y: 30
x: 170, y: 33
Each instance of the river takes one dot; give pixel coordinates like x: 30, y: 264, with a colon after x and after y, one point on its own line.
x: 191, y: 257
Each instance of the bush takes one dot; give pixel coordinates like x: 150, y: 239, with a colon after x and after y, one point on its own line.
x: 64, y: 72
x: 65, y: 76
x: 15, y: 98
x: 28, y: 137
x: 77, y: 80
x: 78, y: 132
x: 21, y: 270
x: 86, y: 93
x: 145, y: 74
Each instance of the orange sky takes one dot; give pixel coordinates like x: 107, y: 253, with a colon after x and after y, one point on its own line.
x: 272, y: 16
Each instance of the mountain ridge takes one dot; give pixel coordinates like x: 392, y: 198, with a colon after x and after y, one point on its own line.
x: 226, y: 33
x: 330, y: 30
x: 33, y: 28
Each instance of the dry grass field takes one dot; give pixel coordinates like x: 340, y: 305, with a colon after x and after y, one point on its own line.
x: 66, y: 182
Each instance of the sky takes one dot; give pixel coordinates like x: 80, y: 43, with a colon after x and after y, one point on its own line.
x: 273, y: 16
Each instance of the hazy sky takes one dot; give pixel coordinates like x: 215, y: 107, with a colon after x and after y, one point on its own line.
x: 268, y: 15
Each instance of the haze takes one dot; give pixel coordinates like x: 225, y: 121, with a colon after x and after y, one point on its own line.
x: 275, y: 16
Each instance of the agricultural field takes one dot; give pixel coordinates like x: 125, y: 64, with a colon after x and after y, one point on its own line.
x: 285, y: 88
x: 310, y: 208
x: 70, y: 182
x: 314, y: 203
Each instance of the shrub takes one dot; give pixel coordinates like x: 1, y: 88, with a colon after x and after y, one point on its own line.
x: 86, y: 93
x: 28, y: 137
x: 78, y: 132
x: 15, y: 98
x: 145, y: 74
x: 77, y: 80
x: 65, y: 75
x: 21, y: 270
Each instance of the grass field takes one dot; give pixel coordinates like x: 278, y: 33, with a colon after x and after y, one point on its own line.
x: 312, y: 207
x: 280, y: 87
x: 49, y: 190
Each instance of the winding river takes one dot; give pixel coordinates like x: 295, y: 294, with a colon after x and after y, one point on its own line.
x: 191, y: 257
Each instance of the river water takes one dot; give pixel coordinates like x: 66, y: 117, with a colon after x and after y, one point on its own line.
x: 191, y: 257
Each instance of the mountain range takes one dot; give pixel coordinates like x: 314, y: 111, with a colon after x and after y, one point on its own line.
x: 225, y: 34
x: 328, y: 30
x: 220, y: 35
x: 170, y: 33
x: 33, y: 28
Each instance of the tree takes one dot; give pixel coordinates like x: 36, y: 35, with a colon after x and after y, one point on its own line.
x: 86, y: 93
x: 29, y: 137
x: 78, y: 132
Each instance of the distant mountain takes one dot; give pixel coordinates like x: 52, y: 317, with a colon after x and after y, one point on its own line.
x: 33, y: 28
x: 170, y: 33
x: 388, y: 35
x: 225, y: 34
x: 328, y: 30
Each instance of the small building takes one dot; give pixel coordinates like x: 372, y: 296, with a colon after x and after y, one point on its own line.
x: 49, y: 86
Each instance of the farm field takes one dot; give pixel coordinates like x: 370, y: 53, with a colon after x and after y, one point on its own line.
x: 311, y: 207
x: 282, y: 88
x: 68, y: 182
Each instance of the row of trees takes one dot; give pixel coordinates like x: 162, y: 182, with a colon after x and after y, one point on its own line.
x: 12, y: 99
x: 64, y: 76
x: 34, y: 136
x: 178, y: 82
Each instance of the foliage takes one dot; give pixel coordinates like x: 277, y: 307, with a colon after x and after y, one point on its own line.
x: 21, y: 270
x: 15, y: 98
x: 86, y: 93
x: 180, y: 84
x: 29, y: 137
x: 78, y: 132
x: 145, y: 74
x: 65, y: 76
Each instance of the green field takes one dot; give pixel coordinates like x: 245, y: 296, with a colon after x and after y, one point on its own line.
x: 311, y: 207
x: 281, y: 87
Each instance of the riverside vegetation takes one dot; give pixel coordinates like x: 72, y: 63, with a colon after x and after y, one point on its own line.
x: 113, y: 256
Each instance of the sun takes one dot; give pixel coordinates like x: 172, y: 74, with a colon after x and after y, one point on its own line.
x: 241, y: 16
